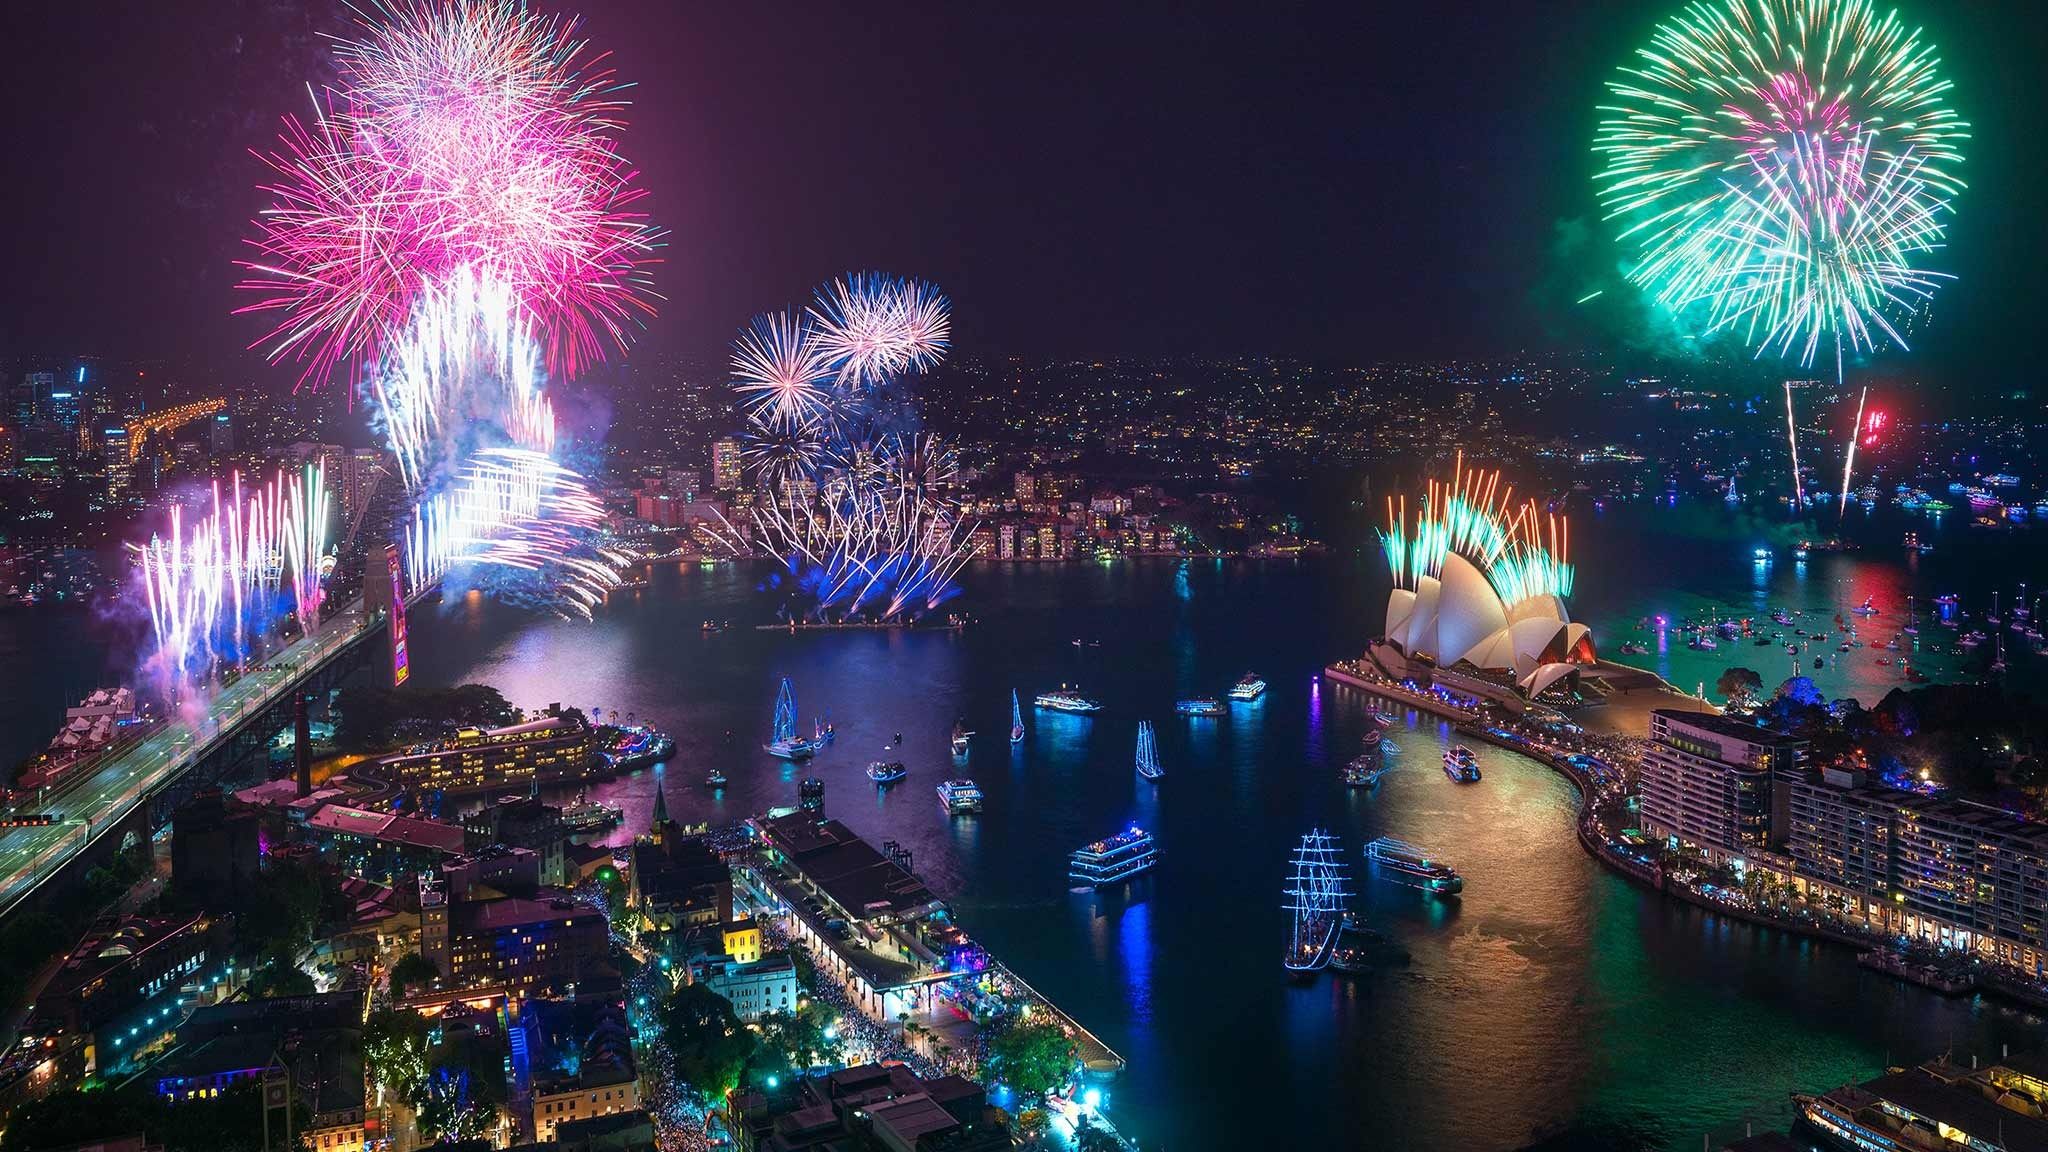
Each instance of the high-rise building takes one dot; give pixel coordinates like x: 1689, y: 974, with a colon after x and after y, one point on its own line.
x: 220, y: 438
x: 1941, y: 871
x: 32, y: 398
x: 1027, y: 487
x: 1706, y: 781
x: 725, y: 465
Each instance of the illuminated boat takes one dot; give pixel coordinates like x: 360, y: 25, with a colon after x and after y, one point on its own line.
x: 1016, y: 719
x: 1148, y: 753
x: 960, y: 735
x: 960, y: 796
x: 1114, y: 859
x: 783, y: 741
x: 1199, y: 706
x: 1248, y: 687
x: 887, y: 772
x: 1404, y: 863
x: 1315, y: 901
x: 1067, y: 699
x: 1460, y: 765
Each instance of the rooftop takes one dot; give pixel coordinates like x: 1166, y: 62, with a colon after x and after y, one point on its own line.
x: 108, y: 947
x: 409, y: 831
x: 1734, y: 726
x: 475, y: 916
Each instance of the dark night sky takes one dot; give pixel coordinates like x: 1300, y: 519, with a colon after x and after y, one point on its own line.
x: 1345, y: 181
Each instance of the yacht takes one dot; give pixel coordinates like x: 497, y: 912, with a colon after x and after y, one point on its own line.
x: 960, y: 796
x: 887, y: 772
x: 716, y: 779
x: 1365, y: 771
x: 960, y: 735
x: 1248, y: 687
x: 1460, y: 765
x: 1116, y: 858
x: 1016, y: 719
x: 1404, y: 863
x: 1199, y: 706
x: 1067, y: 699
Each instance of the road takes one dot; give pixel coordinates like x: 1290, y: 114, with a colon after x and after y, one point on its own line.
x: 109, y: 793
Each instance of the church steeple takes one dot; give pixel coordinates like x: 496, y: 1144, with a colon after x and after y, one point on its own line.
x: 660, y: 812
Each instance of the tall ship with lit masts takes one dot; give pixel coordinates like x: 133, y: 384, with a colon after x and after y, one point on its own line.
x: 1117, y: 858
x: 1148, y: 752
x: 784, y: 741
x: 1315, y: 897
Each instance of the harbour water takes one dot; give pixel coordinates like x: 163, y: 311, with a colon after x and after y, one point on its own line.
x: 1554, y: 1005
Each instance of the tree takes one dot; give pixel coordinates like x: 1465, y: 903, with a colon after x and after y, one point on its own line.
x: 1032, y: 1056
x: 1801, y: 690
x: 1032, y: 1125
x: 798, y: 1038
x: 1740, y: 687
x: 706, y: 1041
x: 1089, y: 1138
x: 395, y: 1052
x: 412, y: 970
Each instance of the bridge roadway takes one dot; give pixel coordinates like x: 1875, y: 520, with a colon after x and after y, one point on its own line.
x: 109, y: 794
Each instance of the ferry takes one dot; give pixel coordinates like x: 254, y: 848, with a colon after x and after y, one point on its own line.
x: 1460, y: 765
x: 1248, y: 687
x: 1067, y: 699
x: 716, y: 779
x: 960, y: 796
x: 589, y: 816
x: 960, y: 735
x: 1116, y: 858
x: 1404, y: 863
x: 1199, y: 706
x: 887, y: 772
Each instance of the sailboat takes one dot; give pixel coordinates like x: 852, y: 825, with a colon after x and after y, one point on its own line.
x: 784, y: 741
x: 1016, y: 719
x: 1148, y: 752
x: 1315, y: 896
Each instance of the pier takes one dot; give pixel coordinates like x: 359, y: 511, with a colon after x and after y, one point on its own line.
x: 875, y: 930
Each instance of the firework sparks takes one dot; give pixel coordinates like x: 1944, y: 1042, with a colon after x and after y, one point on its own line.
x: 856, y: 503
x: 461, y: 132
x: 1783, y: 167
x: 781, y: 372
x: 213, y: 585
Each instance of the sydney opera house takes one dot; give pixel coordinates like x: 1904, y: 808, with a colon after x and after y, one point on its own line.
x: 1479, y: 587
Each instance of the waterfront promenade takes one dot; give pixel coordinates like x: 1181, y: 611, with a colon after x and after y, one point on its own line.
x: 1604, y: 816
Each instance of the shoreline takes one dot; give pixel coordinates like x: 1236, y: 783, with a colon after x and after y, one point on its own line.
x: 1588, y: 828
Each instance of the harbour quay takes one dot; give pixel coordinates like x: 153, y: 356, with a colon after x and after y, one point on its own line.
x: 876, y: 930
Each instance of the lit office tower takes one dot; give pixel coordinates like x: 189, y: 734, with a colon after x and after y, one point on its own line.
x: 220, y: 439
x: 361, y: 470
x: 725, y: 465
x: 32, y: 397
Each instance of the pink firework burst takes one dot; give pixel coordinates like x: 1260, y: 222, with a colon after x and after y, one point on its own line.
x: 463, y: 133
